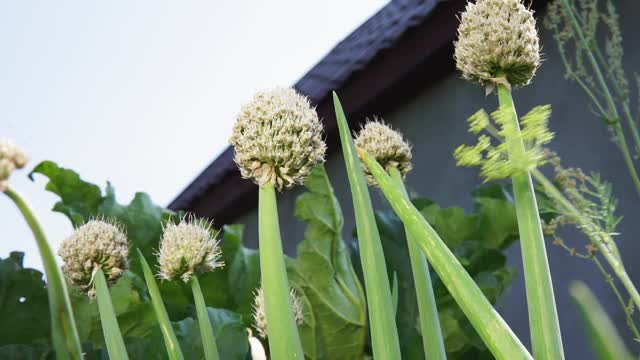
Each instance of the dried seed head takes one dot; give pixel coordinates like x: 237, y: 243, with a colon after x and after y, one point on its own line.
x: 188, y: 248
x: 278, y: 138
x: 497, y: 38
x: 11, y: 158
x: 95, y: 245
x: 260, y: 317
x: 386, y: 146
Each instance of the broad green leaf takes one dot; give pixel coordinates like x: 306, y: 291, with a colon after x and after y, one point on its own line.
x: 329, y: 282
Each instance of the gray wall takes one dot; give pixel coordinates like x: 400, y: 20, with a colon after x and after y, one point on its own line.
x: 434, y: 122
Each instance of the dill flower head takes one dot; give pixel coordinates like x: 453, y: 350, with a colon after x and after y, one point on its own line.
x: 386, y: 146
x: 277, y: 138
x: 497, y: 38
x: 11, y: 158
x: 188, y: 248
x: 260, y: 317
x: 96, y: 245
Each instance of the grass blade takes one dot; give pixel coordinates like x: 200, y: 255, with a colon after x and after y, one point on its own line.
x: 384, y: 335
x: 433, y: 341
x: 206, y: 330
x: 495, y: 333
x: 170, y: 340
x: 543, y: 317
x: 65, y: 338
x: 285, y: 340
x: 603, y: 335
x: 110, y: 328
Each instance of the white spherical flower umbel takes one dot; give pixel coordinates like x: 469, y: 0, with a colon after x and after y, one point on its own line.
x: 96, y: 245
x: 188, y: 248
x: 277, y: 138
x: 260, y: 317
x: 11, y: 158
x: 497, y: 41
x: 385, y: 145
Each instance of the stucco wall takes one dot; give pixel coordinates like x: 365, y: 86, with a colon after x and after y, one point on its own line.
x: 434, y: 122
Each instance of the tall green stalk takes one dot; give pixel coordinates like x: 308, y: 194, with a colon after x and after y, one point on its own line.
x: 284, y: 340
x: 543, y: 317
x: 429, y: 321
x: 495, y: 333
x: 384, y: 334
x: 110, y: 328
x: 65, y: 338
x: 206, y: 331
x: 170, y: 340
x: 603, y: 335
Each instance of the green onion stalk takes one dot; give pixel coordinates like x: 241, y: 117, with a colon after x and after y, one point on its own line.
x: 389, y: 148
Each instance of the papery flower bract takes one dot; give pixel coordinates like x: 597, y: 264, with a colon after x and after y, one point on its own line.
x: 95, y: 245
x: 188, y: 248
x: 497, y: 38
x: 386, y: 146
x: 259, y: 315
x: 278, y: 138
x: 11, y: 158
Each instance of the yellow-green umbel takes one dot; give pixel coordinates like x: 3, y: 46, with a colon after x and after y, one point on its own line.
x: 497, y: 39
x: 187, y: 249
x: 498, y: 47
x: 11, y: 158
x: 96, y: 245
x: 386, y: 145
x: 94, y: 256
x: 278, y: 141
x: 260, y: 319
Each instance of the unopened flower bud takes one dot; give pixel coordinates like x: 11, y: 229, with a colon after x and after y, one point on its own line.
x: 96, y: 245
x: 260, y: 317
x: 385, y: 145
x: 188, y: 248
x: 278, y: 138
x: 11, y: 158
x: 497, y: 41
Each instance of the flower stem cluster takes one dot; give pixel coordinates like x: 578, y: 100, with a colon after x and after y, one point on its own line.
x: 259, y: 314
x: 494, y: 160
x: 188, y: 248
x: 386, y: 145
x: 278, y: 138
x: 96, y: 245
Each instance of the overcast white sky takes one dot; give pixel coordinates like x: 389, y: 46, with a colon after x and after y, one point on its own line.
x: 143, y: 93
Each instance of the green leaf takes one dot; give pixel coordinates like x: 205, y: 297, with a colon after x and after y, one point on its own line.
x: 112, y: 335
x: 24, y: 309
x: 326, y: 276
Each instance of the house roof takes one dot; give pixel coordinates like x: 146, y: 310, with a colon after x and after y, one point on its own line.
x: 402, y: 49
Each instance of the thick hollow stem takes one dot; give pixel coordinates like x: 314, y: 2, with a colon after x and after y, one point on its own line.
x: 170, y: 340
x: 65, y: 336
x: 284, y: 340
x: 604, y: 244
x: 206, y: 330
x: 384, y: 334
x: 493, y: 330
x: 543, y: 317
x: 429, y: 320
x: 110, y: 328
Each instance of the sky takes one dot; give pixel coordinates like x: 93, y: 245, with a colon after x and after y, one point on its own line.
x: 143, y: 94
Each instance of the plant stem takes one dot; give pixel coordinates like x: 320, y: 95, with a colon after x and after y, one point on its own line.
x: 110, y: 328
x: 429, y: 321
x: 65, y: 336
x: 605, y: 340
x: 543, y: 317
x: 603, y: 243
x: 284, y: 341
x: 206, y: 331
x: 495, y: 333
x: 170, y: 340
x: 384, y: 334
